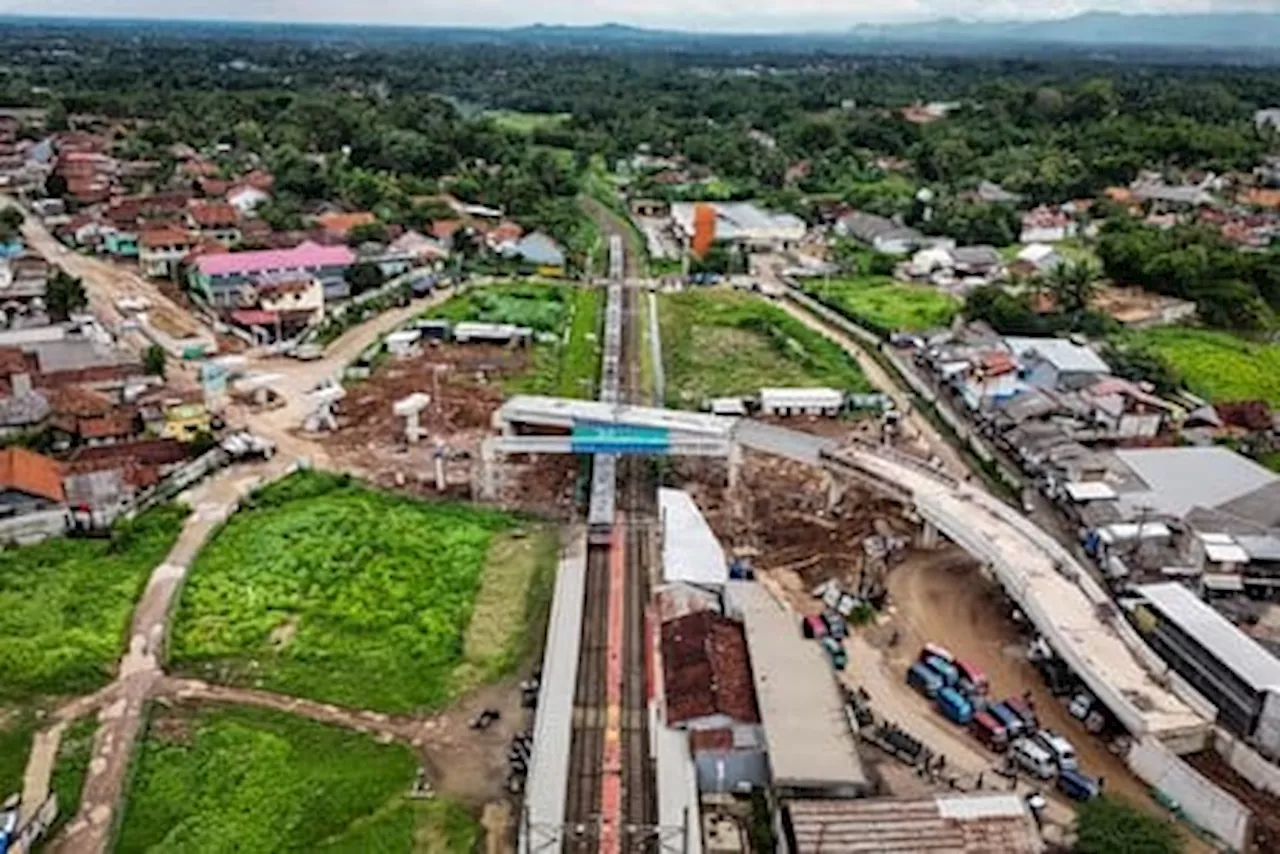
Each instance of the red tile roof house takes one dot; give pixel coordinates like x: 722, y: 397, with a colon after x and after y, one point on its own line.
x: 33, y: 505
x: 217, y: 220
x: 161, y: 250
x: 708, y: 691
x: 220, y: 278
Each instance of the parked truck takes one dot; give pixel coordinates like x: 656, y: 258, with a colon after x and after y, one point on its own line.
x: 954, y: 706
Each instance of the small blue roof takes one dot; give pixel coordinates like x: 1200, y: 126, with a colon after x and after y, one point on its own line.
x: 538, y: 248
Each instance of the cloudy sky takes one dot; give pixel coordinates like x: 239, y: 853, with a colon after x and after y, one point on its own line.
x: 685, y: 14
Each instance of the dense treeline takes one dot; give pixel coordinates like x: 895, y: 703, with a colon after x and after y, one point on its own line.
x: 382, y: 125
x: 1052, y: 130
x: 1233, y: 289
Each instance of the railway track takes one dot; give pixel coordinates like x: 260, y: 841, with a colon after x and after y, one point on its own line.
x: 611, y: 803
x: 639, y: 802
x: 582, y: 805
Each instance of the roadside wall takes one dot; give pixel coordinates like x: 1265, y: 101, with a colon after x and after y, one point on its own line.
x: 1203, y: 803
x: 1247, y: 762
x: 33, y: 527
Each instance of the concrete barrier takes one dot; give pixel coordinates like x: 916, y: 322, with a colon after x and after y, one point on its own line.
x: 33, y: 527
x: 1202, y: 802
x: 1247, y: 762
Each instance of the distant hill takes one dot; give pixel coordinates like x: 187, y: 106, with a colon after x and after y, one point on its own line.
x: 1214, y: 37
x: 1219, y: 30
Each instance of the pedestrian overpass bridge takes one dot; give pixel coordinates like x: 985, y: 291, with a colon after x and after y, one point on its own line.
x: 1076, y: 616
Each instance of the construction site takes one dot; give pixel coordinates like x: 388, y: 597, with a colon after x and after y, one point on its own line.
x: 821, y: 512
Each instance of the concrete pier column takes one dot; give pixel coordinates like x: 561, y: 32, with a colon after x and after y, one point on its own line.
x: 835, y: 492
x: 928, y: 538
x: 735, y: 465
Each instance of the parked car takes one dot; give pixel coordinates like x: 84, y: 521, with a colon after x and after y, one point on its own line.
x: 925, y: 680
x: 972, y: 679
x: 990, y: 731
x: 1022, y: 708
x: 1008, y: 720
x: 813, y: 627
x: 932, y: 650
x: 1077, y: 786
x: 954, y: 706
x: 1033, y: 758
x: 1064, y: 755
x: 835, y: 651
x: 950, y: 675
x: 836, y: 625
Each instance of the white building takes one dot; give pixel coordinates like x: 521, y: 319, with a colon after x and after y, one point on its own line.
x: 1056, y: 362
x: 801, y: 401
x: 245, y: 199
x: 1041, y: 257
x: 296, y: 296
x: 743, y: 224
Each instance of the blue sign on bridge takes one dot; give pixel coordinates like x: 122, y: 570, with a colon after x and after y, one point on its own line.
x: 619, y: 439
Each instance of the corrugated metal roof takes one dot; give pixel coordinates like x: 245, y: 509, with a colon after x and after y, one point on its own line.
x: 553, y: 725
x: 1062, y: 354
x: 954, y: 824
x: 1178, y: 479
x: 773, y: 398
x: 1231, y: 647
x: 690, y: 551
x: 801, y: 708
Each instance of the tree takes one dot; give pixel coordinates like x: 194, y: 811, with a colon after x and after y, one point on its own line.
x: 153, y: 361
x: 364, y: 276
x: 65, y: 295
x: 372, y: 232
x: 10, y: 224
x: 1140, y: 364
x: 1073, y: 284
x: 1108, y: 825
x: 55, y: 186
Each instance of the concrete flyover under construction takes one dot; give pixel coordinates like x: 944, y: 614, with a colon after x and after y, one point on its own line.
x: 1069, y: 608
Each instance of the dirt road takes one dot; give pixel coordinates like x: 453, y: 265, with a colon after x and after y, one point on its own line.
x: 941, y: 597
x: 121, y: 720
x: 105, y: 283
x: 920, y: 431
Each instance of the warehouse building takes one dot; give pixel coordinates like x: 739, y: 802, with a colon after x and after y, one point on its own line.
x: 1231, y: 669
x: 812, y: 751
x: 742, y: 224
x: 944, y: 824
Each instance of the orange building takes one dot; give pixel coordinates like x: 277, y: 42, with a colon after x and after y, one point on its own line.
x: 704, y: 229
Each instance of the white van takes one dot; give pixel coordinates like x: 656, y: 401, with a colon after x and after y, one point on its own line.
x: 1033, y: 758
x: 1064, y: 755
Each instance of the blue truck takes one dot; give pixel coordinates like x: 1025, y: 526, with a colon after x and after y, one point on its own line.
x: 950, y: 675
x: 954, y: 706
x: 925, y: 680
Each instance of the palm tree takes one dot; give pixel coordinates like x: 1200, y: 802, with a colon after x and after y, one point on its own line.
x: 1073, y: 284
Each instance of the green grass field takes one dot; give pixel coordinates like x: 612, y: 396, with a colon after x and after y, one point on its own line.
x: 326, y: 589
x: 521, y: 122
x: 726, y: 343
x: 1216, y: 365
x: 884, y: 303
x: 213, y: 779
x: 567, y: 368
x: 65, y: 606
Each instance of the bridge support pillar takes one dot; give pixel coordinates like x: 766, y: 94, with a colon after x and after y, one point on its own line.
x: 735, y: 465
x: 488, y: 474
x: 928, y: 537
x: 835, y: 492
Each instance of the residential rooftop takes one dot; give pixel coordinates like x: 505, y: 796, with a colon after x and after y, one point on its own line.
x: 944, y: 824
